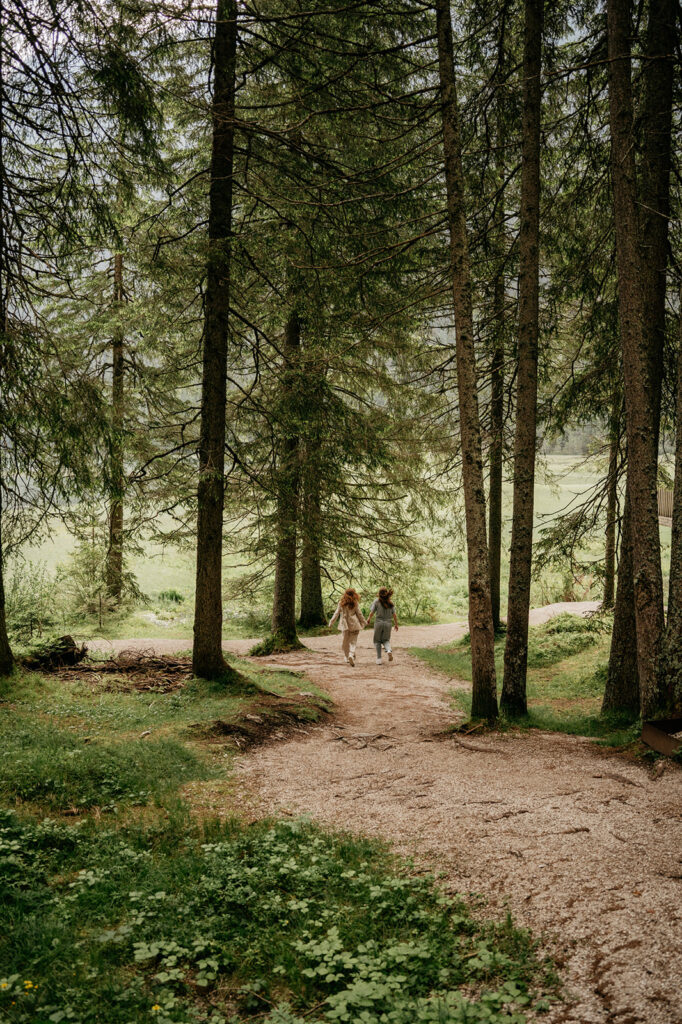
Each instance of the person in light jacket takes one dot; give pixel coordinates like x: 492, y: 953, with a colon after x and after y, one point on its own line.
x: 384, y: 609
x: 351, y: 621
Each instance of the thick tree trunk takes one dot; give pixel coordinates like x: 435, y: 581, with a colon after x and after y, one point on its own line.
x: 207, y: 655
x: 287, y: 483
x: 484, y: 695
x: 611, y: 505
x: 658, y: 71
x: 114, y: 569
x: 621, y: 694
x: 640, y: 387
x: 521, y: 554
x: 312, y: 604
x: 6, y: 657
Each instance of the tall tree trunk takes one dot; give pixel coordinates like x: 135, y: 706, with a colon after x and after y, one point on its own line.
x: 495, y: 454
x: 484, y: 695
x: 496, y: 451
x: 287, y: 484
x: 674, y: 623
x: 114, y: 568
x: 6, y: 657
x: 207, y: 655
x: 621, y: 694
x: 658, y: 72
x: 312, y: 605
x: 640, y: 400
x: 611, y: 504
x: 521, y: 554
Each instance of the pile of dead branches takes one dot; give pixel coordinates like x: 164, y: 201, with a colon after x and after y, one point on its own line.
x: 134, y: 670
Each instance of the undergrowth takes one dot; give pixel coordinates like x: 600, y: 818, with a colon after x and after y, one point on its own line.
x: 276, y: 643
x: 566, y: 678
x: 275, y: 922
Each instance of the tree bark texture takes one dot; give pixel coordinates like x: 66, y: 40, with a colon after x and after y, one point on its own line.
x: 674, y: 623
x: 521, y: 554
x: 207, y: 655
x: 6, y: 656
x: 312, y: 604
x: 484, y: 690
x: 114, y: 567
x: 496, y: 451
x: 640, y: 387
x: 611, y: 505
x: 287, y: 482
x: 621, y: 694
x: 657, y: 73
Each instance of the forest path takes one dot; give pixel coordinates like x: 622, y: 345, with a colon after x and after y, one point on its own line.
x: 582, y: 846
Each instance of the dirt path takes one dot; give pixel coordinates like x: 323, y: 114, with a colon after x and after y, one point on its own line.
x: 582, y: 846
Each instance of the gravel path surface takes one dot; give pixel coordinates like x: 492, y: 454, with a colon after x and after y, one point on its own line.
x: 584, y: 847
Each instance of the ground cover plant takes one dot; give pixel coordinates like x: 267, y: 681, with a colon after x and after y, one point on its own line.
x: 275, y: 921
x: 566, y: 676
x: 73, y: 743
x: 118, y: 906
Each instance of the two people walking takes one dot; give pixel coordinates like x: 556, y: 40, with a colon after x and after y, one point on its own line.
x: 351, y: 621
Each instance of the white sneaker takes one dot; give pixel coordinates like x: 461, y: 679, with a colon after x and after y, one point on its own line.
x: 390, y: 655
x: 378, y: 661
x: 351, y: 661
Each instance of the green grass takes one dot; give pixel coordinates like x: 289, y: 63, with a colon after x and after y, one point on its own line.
x: 131, y: 909
x: 437, y: 593
x: 76, y: 744
x: 226, y: 922
x: 566, y: 677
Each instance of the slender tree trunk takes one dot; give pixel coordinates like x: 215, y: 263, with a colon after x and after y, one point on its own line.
x: 207, y: 655
x: 674, y: 623
x: 287, y: 483
x: 521, y: 554
x: 484, y: 696
x: 496, y: 452
x: 621, y: 694
x: 312, y: 605
x: 497, y: 422
x: 114, y: 570
x: 657, y: 73
x: 611, y: 505
x: 640, y: 400
x: 6, y: 657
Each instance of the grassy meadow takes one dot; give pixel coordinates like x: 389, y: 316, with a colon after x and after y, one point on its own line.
x: 436, y: 591
x: 125, y: 900
x: 567, y: 659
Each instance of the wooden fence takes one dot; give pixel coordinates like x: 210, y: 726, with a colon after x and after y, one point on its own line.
x: 665, y: 506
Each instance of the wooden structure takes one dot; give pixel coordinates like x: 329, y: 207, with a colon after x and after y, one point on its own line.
x: 665, y: 507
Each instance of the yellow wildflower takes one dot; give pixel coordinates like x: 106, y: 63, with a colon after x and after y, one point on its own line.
x: 155, y: 1007
x: 3, y: 984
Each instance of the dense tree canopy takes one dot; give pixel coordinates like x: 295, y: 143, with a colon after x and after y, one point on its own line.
x: 299, y: 285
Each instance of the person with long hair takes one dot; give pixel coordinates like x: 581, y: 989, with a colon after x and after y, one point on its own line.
x: 384, y: 609
x: 351, y: 621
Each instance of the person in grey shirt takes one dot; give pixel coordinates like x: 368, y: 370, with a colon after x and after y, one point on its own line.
x: 384, y: 610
